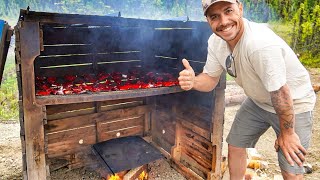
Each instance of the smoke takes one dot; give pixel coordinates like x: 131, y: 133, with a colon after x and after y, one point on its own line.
x: 258, y: 11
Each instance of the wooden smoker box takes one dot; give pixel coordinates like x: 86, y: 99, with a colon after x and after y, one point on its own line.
x: 185, y: 126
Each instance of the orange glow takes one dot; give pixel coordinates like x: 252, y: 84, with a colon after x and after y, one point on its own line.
x: 143, y: 176
x: 114, y: 177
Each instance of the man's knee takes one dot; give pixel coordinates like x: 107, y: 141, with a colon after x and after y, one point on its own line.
x: 235, y: 150
x: 236, y: 153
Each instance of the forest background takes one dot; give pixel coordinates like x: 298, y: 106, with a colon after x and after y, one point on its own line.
x: 296, y: 21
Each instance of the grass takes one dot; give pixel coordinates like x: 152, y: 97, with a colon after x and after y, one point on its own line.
x: 282, y: 29
x: 9, y: 110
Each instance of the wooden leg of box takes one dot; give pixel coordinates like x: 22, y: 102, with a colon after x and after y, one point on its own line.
x: 33, y: 113
x: 34, y: 134
x: 217, y: 135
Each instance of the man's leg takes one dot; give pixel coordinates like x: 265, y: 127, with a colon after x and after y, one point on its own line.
x: 237, y: 162
x: 247, y: 127
x: 290, y: 176
x: 303, y: 127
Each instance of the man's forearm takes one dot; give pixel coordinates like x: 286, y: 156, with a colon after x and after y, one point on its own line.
x: 283, y: 105
x: 205, y: 83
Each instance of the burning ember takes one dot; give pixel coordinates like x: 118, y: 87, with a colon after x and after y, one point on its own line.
x: 103, y: 82
x: 114, y: 177
x: 143, y: 176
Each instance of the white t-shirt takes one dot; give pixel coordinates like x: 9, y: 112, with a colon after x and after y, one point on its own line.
x: 264, y: 63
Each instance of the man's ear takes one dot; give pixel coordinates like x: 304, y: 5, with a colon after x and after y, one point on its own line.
x: 241, y: 9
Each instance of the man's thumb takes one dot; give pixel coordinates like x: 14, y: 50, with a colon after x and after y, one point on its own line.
x: 186, y: 64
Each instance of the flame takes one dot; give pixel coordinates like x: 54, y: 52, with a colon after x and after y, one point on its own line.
x: 143, y: 176
x: 114, y: 177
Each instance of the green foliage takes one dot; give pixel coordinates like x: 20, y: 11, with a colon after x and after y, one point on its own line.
x: 9, y: 92
x: 282, y: 29
x: 310, y: 61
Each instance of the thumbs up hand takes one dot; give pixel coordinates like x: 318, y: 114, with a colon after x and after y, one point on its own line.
x: 186, y: 76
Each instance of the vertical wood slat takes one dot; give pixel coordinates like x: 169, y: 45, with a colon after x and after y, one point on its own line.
x: 217, y: 133
x: 176, y: 149
x: 147, y: 119
x: 33, y: 114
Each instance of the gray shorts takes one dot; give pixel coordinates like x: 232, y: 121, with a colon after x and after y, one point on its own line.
x: 251, y: 122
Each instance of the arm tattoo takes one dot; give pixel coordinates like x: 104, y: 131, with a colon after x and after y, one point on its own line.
x: 283, y: 105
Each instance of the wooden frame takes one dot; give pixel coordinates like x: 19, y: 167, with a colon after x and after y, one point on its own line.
x: 66, y: 126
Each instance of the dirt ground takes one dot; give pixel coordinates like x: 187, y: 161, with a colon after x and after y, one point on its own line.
x: 10, y: 149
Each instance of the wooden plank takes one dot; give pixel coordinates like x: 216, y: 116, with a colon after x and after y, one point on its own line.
x: 176, y: 149
x: 67, y: 19
x: 197, y: 150
x: 196, y: 139
x: 33, y: 114
x: 202, y: 132
x: 55, y: 152
x: 103, y: 96
x: 131, y: 131
x: 118, y: 104
x: 54, y: 109
x: 185, y: 141
x: 217, y: 134
x: 65, y: 142
x: 79, y: 121
x: 194, y: 166
x: 135, y: 173
x: 74, y: 134
x: 69, y: 114
x: 188, y: 173
x: 122, y: 101
x: 117, y: 124
x: 199, y: 159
